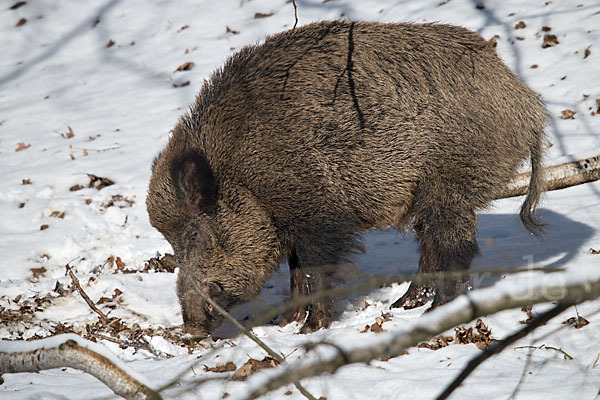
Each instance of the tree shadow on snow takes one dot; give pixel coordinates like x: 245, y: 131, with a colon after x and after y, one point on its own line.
x: 504, y: 244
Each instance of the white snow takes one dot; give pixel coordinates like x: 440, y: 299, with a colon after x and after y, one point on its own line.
x: 56, y: 72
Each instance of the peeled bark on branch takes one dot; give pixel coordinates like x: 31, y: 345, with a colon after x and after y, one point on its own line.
x: 558, y: 176
x: 73, y: 355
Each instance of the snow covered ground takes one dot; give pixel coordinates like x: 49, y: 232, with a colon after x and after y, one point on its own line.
x: 92, y: 88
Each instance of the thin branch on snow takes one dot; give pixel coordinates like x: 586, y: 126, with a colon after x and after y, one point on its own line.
x: 85, y: 296
x: 73, y: 355
x: 435, y: 323
x: 236, y: 323
x: 558, y: 176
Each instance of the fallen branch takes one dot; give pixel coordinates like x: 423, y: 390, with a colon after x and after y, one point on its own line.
x: 460, y: 311
x: 235, y: 322
x: 85, y: 296
x: 72, y: 351
x: 558, y: 177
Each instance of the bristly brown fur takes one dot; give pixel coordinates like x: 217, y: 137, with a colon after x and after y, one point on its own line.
x: 334, y: 128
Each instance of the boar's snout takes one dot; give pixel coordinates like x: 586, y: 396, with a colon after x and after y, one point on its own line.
x: 199, y: 316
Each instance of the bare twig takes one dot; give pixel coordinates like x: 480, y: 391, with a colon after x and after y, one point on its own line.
x: 85, y: 296
x: 430, y: 326
x: 235, y: 322
x: 295, y: 14
x: 71, y: 354
x: 566, y: 355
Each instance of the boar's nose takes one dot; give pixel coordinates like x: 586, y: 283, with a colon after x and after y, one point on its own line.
x: 197, y: 332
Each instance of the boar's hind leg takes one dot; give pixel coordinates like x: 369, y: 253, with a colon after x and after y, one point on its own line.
x: 447, y: 236
x: 298, y: 287
x: 305, y: 281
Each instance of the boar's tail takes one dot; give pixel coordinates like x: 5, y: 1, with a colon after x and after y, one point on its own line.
x: 536, y: 187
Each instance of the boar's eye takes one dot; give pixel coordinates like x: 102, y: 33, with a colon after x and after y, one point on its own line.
x: 193, y: 237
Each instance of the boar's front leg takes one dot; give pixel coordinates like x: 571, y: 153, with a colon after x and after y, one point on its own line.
x: 305, y: 281
x: 418, y: 295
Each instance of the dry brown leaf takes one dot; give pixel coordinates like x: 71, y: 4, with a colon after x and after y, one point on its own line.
x: 567, y: 114
x: 520, y: 25
x: 21, y: 22
x: 75, y: 188
x: 262, y: 15
x: 577, y: 323
x: 550, y: 41
x: 494, y: 40
x: 594, y: 251
x: 229, y: 30
x: 438, y: 342
x: 252, y: 366
x: 110, y: 43
x: 185, y: 66
x: 37, y: 272
x: 546, y: 28
x: 482, y: 338
x: 22, y: 146
x: 26, y: 181
x: 587, y: 53
x: 57, y: 214
x: 183, y: 84
x: 376, y: 328
x: 120, y: 264
x: 598, y: 105
x: 99, y: 182
x: 103, y: 300
x: 17, y: 5
x: 69, y: 134
x: 119, y: 201
x: 44, y: 227
x: 158, y: 264
x: 534, y: 66
x: 528, y: 310
x: 366, y: 329
x: 221, y: 368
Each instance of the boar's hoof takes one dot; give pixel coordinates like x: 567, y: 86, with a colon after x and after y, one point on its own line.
x: 319, y: 316
x: 415, y: 296
x: 452, y: 291
x: 295, y: 315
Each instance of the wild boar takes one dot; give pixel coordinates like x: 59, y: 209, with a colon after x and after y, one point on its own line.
x: 297, y: 145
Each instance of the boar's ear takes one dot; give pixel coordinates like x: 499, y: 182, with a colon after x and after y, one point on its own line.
x: 194, y: 181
